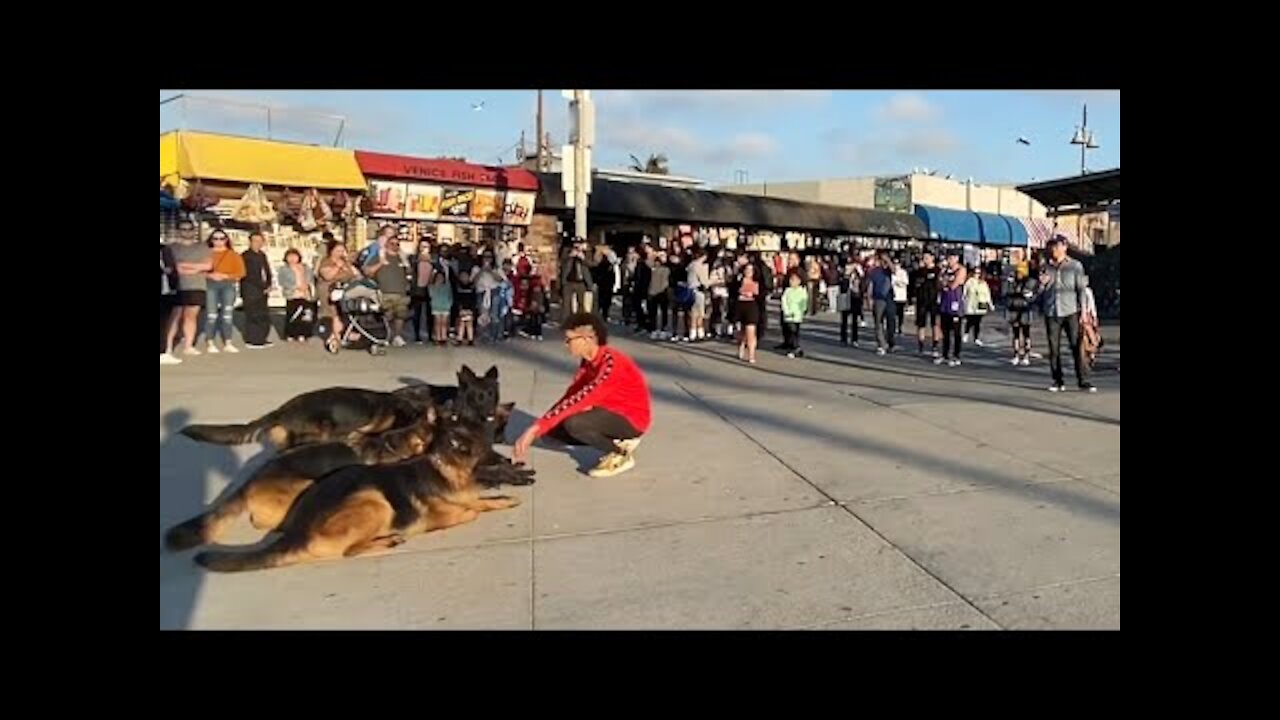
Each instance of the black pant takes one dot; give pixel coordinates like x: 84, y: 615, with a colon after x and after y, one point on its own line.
x: 167, y: 304
x: 951, y: 337
x: 597, y: 428
x: 640, y: 310
x: 628, y: 306
x: 813, y: 298
x: 790, y: 336
x: 604, y: 299
x: 295, y: 326
x: 717, y: 313
x: 657, y: 302
x: 762, y: 310
x: 846, y: 319
x: 902, y: 309
x: 973, y: 323
x: 420, y: 305
x: 882, y: 313
x: 533, y: 323
x: 1054, y: 326
x: 257, y: 317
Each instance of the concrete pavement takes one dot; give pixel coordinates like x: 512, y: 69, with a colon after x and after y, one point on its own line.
x: 839, y: 491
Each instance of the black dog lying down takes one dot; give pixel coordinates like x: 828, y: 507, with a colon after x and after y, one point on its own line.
x: 271, y: 491
x: 342, y: 414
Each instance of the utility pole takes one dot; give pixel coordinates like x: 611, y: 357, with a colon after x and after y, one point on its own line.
x: 580, y: 169
x: 538, y: 137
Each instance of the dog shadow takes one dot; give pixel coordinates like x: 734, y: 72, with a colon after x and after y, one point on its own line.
x: 186, y: 469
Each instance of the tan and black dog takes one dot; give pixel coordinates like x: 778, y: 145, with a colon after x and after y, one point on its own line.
x: 342, y: 413
x: 268, y: 494
x: 361, y: 508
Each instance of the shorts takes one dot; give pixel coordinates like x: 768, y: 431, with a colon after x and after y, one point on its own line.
x: 699, y: 307
x: 191, y: 298
x: 395, y: 306
x: 748, y: 312
x: 926, y: 316
x: 442, y: 315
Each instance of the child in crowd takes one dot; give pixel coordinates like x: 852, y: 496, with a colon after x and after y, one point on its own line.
x: 795, y: 302
x: 441, y: 305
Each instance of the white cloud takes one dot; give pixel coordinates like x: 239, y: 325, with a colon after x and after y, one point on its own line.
x: 908, y: 107
x: 713, y: 100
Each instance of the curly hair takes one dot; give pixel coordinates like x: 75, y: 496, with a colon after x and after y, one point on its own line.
x: 591, y: 320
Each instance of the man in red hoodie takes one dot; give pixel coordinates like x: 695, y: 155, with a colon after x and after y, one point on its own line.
x: 606, y: 405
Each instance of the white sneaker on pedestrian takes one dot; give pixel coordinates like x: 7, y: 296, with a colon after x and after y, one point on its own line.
x: 1026, y: 362
x: 1037, y: 356
x: 791, y: 355
x: 169, y: 359
x: 211, y: 348
x: 880, y: 351
x: 1057, y: 388
x: 979, y: 343
x: 229, y: 348
x: 1015, y: 361
x: 963, y: 339
x: 954, y: 363
x: 398, y: 341
x: 193, y: 350
x: 938, y: 361
x: 937, y: 353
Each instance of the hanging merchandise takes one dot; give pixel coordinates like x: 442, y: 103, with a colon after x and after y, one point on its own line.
x: 199, y: 199
x: 288, y: 207
x: 254, y: 207
x: 315, y: 211
x: 339, y: 204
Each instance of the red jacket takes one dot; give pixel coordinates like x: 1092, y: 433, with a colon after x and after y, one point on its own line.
x: 612, y: 381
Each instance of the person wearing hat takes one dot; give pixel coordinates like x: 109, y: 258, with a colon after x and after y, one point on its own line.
x: 1062, y: 287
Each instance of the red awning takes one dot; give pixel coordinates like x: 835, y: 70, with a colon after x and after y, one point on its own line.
x: 444, y: 171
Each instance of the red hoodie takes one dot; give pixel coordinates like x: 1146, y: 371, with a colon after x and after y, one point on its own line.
x: 613, y: 382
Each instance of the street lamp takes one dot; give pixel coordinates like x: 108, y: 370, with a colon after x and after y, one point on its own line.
x: 1084, y: 138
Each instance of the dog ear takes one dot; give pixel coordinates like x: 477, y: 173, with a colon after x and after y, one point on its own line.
x: 492, y: 374
x: 466, y: 375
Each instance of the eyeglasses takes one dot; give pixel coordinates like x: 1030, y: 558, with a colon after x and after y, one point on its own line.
x: 568, y: 339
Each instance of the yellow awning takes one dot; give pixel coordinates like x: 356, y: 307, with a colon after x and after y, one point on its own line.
x: 222, y: 157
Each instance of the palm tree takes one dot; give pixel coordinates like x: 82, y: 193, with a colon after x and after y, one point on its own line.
x: 655, y: 165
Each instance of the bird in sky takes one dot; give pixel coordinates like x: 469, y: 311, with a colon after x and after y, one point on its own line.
x: 1023, y: 141
x: 477, y: 107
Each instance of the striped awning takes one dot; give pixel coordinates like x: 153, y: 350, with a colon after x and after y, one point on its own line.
x: 1039, y: 230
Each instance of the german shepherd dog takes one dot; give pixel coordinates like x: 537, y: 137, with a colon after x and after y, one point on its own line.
x: 341, y: 413
x: 362, y: 508
x: 269, y: 493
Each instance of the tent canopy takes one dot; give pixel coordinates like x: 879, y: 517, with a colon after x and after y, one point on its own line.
x: 947, y: 224
x: 1084, y: 191
x: 207, y: 156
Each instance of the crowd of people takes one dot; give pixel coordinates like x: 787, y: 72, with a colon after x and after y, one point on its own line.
x: 459, y: 294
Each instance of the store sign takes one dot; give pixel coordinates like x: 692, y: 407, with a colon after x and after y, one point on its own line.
x: 388, y: 198
x: 518, y: 209
x: 455, y: 204
x: 423, y: 202
x: 893, y: 194
x: 486, y: 207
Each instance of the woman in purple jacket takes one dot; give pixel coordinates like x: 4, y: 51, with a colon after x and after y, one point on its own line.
x: 951, y: 312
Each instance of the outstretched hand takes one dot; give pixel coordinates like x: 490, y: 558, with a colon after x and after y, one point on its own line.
x: 521, y: 448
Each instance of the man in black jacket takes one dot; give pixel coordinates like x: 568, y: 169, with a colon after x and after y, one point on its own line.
x: 254, y: 288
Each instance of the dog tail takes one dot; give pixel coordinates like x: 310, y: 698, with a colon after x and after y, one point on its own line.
x: 230, y: 434
x: 277, y: 554
x: 206, y: 527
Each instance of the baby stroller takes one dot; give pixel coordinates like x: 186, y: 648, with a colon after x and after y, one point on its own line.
x: 359, y: 306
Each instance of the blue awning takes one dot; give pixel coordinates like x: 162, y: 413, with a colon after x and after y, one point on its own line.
x: 1019, y: 228
x: 954, y: 225
x: 995, y: 229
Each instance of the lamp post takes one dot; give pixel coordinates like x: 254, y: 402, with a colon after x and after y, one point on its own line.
x: 1084, y: 138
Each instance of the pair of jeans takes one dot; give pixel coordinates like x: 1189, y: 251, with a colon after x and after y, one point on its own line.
x: 597, y: 428
x: 1054, y: 326
x: 656, y: 302
x: 885, y: 317
x: 951, y: 337
x: 219, y: 309
x: 573, y: 299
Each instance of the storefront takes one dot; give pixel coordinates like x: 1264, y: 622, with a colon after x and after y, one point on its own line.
x: 448, y: 200
x: 291, y: 193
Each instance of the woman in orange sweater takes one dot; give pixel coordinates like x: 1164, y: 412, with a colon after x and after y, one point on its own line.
x: 220, y: 300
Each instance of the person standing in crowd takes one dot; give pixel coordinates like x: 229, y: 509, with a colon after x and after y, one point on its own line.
x: 607, y: 278
x: 901, y: 282
x: 606, y: 405
x: 488, y: 302
x: 928, y: 286
x: 170, y: 310
x: 255, y: 286
x: 950, y: 314
x: 220, y: 302
x: 1021, y: 288
x: 507, y: 300
x: 795, y: 302
x: 536, y: 304
x: 749, y: 290
x: 883, y: 314
x: 194, y: 261
x: 640, y: 289
x: 659, y: 279
x: 390, y: 271
x: 977, y: 303
x: 813, y: 270
x: 441, y: 295
x: 831, y: 268
x: 718, y: 290
x: 698, y: 277
x: 575, y: 280
x: 334, y: 270
x: 849, y: 300
x: 628, y: 285
x: 297, y: 284
x: 1062, y: 286
x: 420, y: 291
x: 765, y: 278
x: 464, y: 298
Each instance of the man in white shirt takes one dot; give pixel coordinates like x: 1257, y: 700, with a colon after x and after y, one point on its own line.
x: 698, y: 279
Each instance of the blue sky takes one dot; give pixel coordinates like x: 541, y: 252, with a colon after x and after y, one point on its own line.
x: 773, y: 135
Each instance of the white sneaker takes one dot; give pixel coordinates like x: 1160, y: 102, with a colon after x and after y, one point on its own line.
x: 938, y: 361
x: 862, y: 323
x: 1037, y: 356
x: 1026, y: 362
x: 627, y: 447
x: 1015, y: 361
x: 954, y: 363
x: 979, y: 343
x: 1057, y: 388
x: 398, y: 341
x: 211, y: 349
x: 169, y: 359
x: 229, y: 348
x: 937, y: 354
x: 193, y: 350
x: 963, y: 339
x: 791, y: 355
x: 880, y: 351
